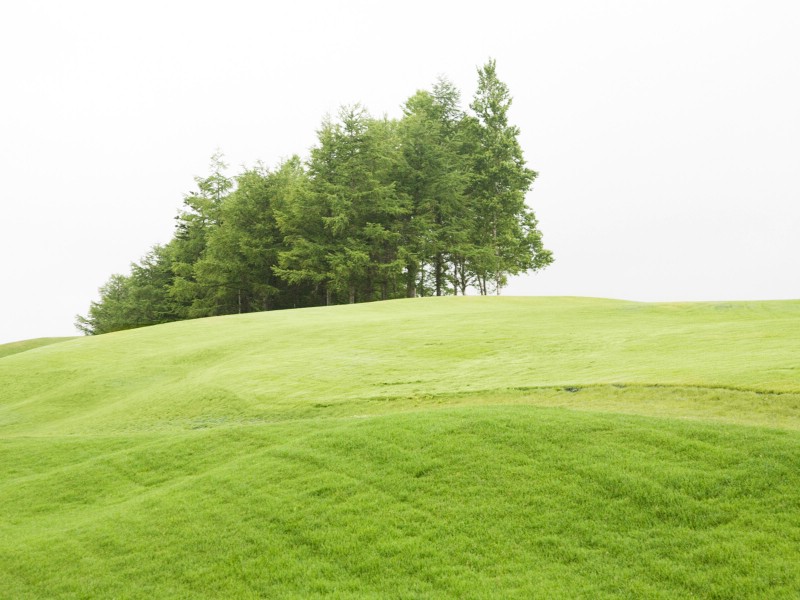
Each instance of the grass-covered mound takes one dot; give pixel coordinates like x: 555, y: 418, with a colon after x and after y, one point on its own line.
x: 461, y: 447
x: 25, y: 345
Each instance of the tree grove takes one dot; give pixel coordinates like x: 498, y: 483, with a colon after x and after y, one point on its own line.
x: 432, y: 203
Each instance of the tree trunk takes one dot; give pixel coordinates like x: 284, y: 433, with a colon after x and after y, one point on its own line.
x: 462, y: 279
x: 411, y: 281
x: 496, y: 256
x: 438, y: 274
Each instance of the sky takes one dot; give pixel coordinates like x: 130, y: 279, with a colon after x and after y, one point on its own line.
x: 666, y: 134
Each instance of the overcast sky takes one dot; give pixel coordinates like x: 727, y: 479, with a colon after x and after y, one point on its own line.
x: 666, y: 134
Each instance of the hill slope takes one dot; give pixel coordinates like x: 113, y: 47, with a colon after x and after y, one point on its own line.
x: 288, y: 364
x: 25, y: 345
x: 465, y: 447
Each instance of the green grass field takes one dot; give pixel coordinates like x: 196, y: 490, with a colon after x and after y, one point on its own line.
x: 428, y: 448
x: 25, y: 345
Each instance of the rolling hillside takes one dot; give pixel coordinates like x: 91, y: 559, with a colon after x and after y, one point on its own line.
x: 438, y: 447
x: 25, y: 345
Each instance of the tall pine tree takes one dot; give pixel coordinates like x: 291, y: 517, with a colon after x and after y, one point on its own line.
x: 506, y: 228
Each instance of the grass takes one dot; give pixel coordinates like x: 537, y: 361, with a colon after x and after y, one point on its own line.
x: 25, y: 345
x: 454, y: 447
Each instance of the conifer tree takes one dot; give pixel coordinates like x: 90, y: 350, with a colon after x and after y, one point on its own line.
x: 434, y: 179
x: 353, y: 249
x: 194, y: 224
x: 506, y: 229
x: 433, y: 203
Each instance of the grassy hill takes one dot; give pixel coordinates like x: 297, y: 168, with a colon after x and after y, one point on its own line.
x: 25, y: 345
x: 442, y: 447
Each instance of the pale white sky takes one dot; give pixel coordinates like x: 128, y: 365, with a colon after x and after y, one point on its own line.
x: 666, y: 134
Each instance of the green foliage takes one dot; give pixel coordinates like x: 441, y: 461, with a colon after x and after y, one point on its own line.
x: 195, y: 224
x: 506, y: 229
x: 431, y: 204
x: 623, y: 450
x: 135, y: 300
x: 435, y: 176
x: 234, y: 273
x: 351, y: 250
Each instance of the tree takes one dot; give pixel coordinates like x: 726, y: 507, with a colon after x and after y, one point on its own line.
x: 433, y: 203
x: 234, y: 274
x: 237, y: 271
x: 110, y: 313
x: 194, y: 225
x: 344, y: 236
x: 135, y: 300
x: 302, y: 261
x: 506, y: 229
x: 434, y: 178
